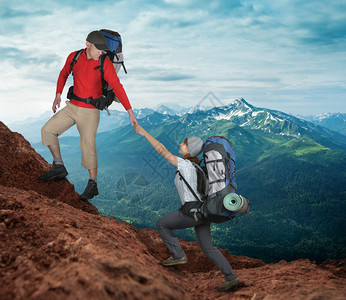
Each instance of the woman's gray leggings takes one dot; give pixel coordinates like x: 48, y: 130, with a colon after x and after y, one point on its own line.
x: 178, y: 220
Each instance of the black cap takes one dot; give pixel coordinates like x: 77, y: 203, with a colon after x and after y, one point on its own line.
x: 98, y: 39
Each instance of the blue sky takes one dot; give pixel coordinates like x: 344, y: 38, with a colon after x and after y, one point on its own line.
x: 287, y: 55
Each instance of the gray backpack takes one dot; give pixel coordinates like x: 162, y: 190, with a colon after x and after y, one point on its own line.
x: 219, y: 202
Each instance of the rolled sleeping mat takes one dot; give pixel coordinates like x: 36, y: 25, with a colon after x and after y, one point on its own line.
x: 236, y: 203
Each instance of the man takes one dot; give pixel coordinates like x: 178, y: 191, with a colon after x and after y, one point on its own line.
x: 86, y: 83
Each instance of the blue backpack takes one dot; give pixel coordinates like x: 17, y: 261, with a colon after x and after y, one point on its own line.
x: 220, y: 202
x: 115, y: 46
x: 115, y: 54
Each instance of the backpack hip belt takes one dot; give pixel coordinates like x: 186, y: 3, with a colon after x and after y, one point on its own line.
x: 100, y: 103
x: 72, y: 96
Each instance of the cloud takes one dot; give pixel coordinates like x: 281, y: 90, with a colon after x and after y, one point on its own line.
x: 216, y: 7
x: 16, y: 56
x: 9, y: 13
x: 10, y: 53
x: 180, y: 50
x: 171, y: 77
x: 306, y: 23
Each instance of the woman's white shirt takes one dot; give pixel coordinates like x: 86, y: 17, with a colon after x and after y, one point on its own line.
x: 187, y: 169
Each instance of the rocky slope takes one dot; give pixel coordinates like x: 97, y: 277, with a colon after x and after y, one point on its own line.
x: 20, y: 167
x: 54, y: 246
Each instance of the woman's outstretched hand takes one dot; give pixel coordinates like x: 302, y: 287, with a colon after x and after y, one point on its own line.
x: 157, y: 145
x: 139, y: 129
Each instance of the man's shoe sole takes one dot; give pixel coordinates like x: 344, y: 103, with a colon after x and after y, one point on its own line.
x: 59, y: 176
x: 85, y: 198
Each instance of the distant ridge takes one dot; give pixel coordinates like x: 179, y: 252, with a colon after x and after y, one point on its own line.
x: 333, y: 121
x: 238, y: 111
x: 248, y: 116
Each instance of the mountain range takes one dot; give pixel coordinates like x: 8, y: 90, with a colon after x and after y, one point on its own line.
x: 336, y: 122
x: 292, y: 171
x: 239, y: 112
x: 247, y: 116
x: 31, y: 128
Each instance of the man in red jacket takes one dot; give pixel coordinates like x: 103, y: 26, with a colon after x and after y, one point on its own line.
x: 86, y: 83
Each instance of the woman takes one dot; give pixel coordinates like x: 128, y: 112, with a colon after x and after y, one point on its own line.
x: 189, y: 149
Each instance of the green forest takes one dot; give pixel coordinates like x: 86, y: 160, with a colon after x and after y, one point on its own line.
x: 297, y: 187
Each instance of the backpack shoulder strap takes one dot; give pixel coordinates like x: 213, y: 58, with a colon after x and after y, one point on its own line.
x: 187, y: 184
x: 75, y: 58
x: 206, y: 180
x: 100, y: 66
x: 198, y: 167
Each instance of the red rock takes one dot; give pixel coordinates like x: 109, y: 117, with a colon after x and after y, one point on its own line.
x: 21, y: 165
x: 60, y: 252
x: 54, y: 246
x: 198, y: 262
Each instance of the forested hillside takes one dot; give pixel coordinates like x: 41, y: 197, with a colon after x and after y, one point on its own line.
x: 296, y: 185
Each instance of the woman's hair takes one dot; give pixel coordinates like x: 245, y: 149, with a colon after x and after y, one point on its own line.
x: 189, y: 157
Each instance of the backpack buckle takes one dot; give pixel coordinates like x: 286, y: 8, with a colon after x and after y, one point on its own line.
x: 88, y: 100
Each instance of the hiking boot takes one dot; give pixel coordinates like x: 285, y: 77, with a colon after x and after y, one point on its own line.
x: 57, y: 171
x: 90, y: 191
x: 229, y: 285
x: 174, y: 261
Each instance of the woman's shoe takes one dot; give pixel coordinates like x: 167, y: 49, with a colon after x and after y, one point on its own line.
x: 229, y: 285
x: 174, y: 261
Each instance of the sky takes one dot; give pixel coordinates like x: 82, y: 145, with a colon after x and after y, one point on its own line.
x: 288, y: 55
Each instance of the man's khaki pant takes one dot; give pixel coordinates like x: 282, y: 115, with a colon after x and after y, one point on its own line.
x: 87, y: 120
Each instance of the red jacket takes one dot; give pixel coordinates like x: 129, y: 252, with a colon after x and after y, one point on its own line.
x: 87, y: 81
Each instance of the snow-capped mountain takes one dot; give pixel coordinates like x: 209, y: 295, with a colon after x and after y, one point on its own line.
x: 165, y: 110
x: 270, y: 121
x: 157, y: 118
x: 333, y: 121
x: 246, y: 115
x: 31, y: 127
x: 239, y: 112
x: 171, y: 109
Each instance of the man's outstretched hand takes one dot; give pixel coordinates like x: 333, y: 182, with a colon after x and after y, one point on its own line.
x: 132, y: 117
